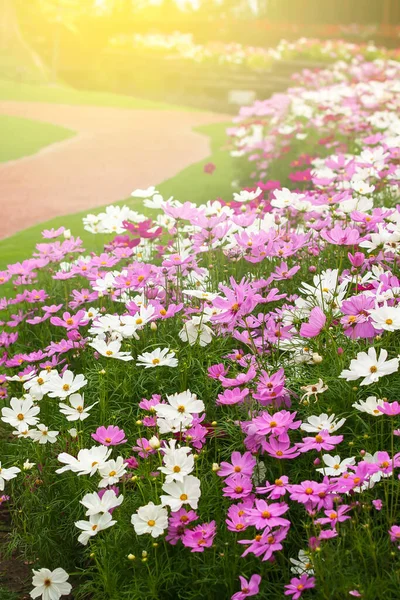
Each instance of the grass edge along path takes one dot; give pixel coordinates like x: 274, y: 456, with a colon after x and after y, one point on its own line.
x: 192, y: 184
x: 62, y: 94
x: 23, y: 137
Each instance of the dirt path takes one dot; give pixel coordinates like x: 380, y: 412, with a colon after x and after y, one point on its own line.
x: 114, y: 152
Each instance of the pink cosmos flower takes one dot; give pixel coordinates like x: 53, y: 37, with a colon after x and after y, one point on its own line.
x: 70, y: 321
x: 315, y: 323
x: 236, y: 516
x: 265, y: 544
x: 240, y: 379
x: 200, y: 537
x: 209, y: 168
x: 298, y: 585
x: 240, y: 464
x: 177, y: 524
x: 392, y: 409
x: 357, y: 322
x: 275, y: 490
x: 237, y: 486
x: 109, y: 436
x: 335, y: 516
x: 143, y: 448
x: 247, y: 588
x: 322, y: 441
x: 341, y: 237
x: 377, y: 504
x: 215, y: 371
x: 267, y: 515
x: 394, y: 533
x: 279, y: 448
x: 307, y: 492
x: 235, y: 396
x: 275, y: 424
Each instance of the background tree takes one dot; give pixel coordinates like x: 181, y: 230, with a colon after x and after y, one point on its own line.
x: 18, y: 60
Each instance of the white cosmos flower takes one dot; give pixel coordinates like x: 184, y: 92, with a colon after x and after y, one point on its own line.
x: 158, y: 358
x: 21, y: 414
x: 302, y: 564
x: 335, y: 466
x: 245, y: 196
x: 21, y: 378
x: 178, y: 462
x: 183, y: 492
x: 77, y: 411
x: 314, y: 389
x: 370, y: 406
x: 65, y: 385
x: 110, y: 350
x: 91, y: 313
x: 180, y: 405
x: 50, y: 585
x: 43, y: 435
x: 168, y: 425
x: 27, y: 466
x: 112, y: 471
x: 96, y: 505
x: 321, y: 422
x: 7, y: 474
x: 370, y: 366
x: 386, y: 317
x: 88, y: 461
x: 92, y: 527
x: 200, y: 294
x: 37, y: 385
x: 151, y: 519
x: 195, y: 331
x: 148, y: 193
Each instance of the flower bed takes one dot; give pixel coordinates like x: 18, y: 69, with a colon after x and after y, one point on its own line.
x: 218, y: 54
x: 207, y: 405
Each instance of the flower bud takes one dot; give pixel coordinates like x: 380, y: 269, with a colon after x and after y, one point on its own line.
x: 131, y: 557
x: 215, y: 467
x: 153, y: 326
x: 154, y: 442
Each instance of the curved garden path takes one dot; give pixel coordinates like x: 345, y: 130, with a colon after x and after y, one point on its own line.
x: 113, y: 152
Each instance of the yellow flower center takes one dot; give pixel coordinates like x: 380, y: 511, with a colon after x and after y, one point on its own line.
x: 319, y: 439
x: 389, y: 321
x: 156, y: 361
x: 183, y: 497
x: 177, y: 469
x: 151, y: 523
x: 20, y: 417
x: 65, y: 387
x: 373, y: 369
x: 112, y: 473
x: 69, y: 321
x: 181, y: 408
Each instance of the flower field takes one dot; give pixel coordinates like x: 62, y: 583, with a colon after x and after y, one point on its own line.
x: 208, y: 405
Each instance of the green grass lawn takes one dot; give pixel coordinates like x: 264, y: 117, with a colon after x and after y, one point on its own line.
x: 190, y: 184
x: 22, y: 137
x: 61, y: 94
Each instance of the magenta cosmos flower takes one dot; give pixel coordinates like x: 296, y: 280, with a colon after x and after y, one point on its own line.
x: 248, y: 588
x: 298, y: 585
x: 109, y: 436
